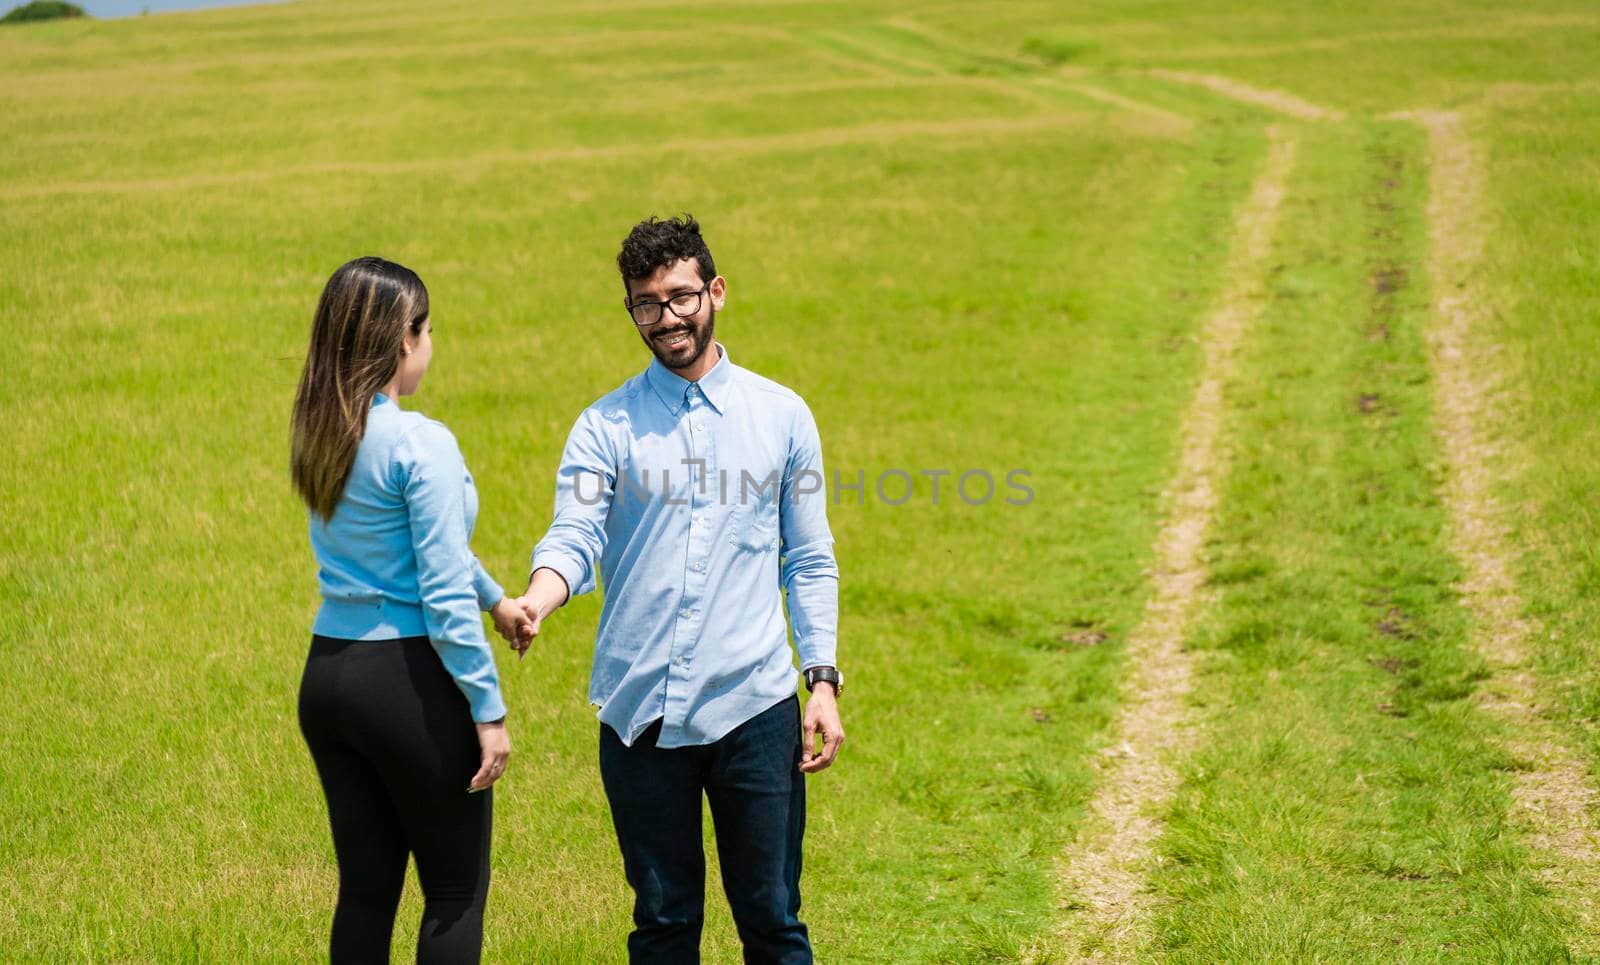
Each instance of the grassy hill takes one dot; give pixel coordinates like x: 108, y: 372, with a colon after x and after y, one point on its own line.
x: 974, y: 238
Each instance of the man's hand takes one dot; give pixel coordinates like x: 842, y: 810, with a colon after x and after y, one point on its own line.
x: 511, y: 622
x: 822, y: 718
x: 546, y: 592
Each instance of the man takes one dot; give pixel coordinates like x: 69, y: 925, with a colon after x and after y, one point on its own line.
x: 695, y: 489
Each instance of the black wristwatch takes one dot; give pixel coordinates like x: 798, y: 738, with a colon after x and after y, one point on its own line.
x: 828, y: 674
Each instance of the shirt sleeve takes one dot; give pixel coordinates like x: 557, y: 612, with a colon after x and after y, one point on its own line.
x: 489, y: 592
x: 433, y: 479
x: 584, y: 486
x: 808, y: 572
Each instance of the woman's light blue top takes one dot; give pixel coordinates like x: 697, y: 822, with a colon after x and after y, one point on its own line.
x: 395, y: 560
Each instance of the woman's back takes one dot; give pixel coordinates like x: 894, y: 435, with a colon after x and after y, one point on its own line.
x: 407, y: 482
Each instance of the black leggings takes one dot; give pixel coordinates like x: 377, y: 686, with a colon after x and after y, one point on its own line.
x: 395, y: 747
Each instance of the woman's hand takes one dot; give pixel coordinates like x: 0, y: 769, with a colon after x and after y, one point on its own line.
x: 495, y: 744
x: 512, y: 622
x: 547, y: 591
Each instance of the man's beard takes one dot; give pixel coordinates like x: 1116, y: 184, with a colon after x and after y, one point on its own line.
x: 701, y: 337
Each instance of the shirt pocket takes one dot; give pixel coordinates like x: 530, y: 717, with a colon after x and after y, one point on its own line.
x: 756, y: 526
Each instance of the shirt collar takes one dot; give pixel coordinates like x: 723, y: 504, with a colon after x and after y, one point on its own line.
x: 716, y: 385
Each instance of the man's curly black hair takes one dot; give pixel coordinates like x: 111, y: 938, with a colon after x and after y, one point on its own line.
x: 657, y: 243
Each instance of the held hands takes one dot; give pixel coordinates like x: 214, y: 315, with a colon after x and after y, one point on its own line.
x: 822, y: 718
x: 495, y: 747
x: 547, y: 591
x: 512, y: 622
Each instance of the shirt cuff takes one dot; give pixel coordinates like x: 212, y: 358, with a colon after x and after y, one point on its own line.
x: 489, y: 592
x: 818, y: 653
x: 488, y: 707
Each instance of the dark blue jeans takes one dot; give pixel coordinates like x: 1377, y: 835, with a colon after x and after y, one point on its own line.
x: 758, y: 807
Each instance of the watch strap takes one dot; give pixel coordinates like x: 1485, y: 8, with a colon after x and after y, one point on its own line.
x: 829, y: 674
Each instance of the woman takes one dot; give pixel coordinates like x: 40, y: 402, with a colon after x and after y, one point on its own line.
x: 400, y: 702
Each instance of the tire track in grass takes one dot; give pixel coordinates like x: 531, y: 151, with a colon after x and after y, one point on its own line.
x: 1176, y: 124
x: 1553, y: 800
x: 869, y: 51
x: 936, y: 132
x: 871, y: 55
x: 1511, y: 26
x: 1512, y: 93
x: 1172, y: 123
x: 1147, y: 117
x: 1281, y: 102
x: 821, y: 51
x: 1103, y: 872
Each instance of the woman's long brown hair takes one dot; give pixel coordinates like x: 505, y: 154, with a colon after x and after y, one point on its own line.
x: 365, y: 310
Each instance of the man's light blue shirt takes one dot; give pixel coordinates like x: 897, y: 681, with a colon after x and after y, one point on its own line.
x: 697, y: 504
x: 395, y: 560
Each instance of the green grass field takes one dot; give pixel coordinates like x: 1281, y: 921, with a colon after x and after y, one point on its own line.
x: 973, y: 237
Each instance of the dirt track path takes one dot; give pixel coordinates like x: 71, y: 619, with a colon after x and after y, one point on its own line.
x: 1553, y: 800
x: 1274, y: 100
x: 1103, y: 873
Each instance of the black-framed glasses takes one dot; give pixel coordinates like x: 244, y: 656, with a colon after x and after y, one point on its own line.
x: 683, y: 306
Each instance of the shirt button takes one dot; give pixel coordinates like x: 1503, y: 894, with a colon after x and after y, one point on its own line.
x: 699, y: 425
x: 699, y: 567
x: 684, y: 614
